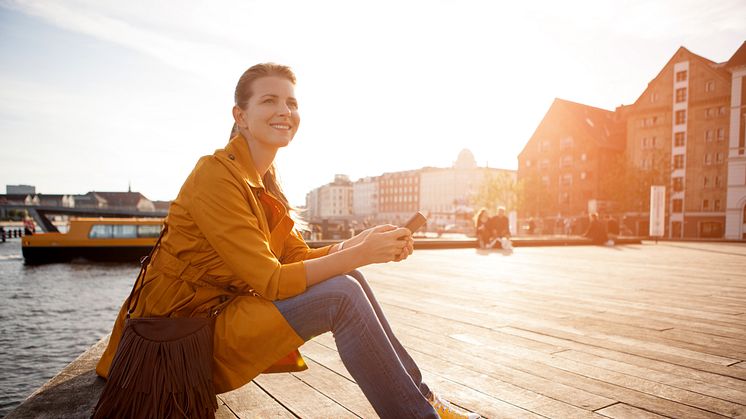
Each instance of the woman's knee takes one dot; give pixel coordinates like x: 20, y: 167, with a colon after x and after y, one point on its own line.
x: 348, y: 286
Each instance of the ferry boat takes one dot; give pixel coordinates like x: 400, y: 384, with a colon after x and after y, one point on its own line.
x: 96, y: 239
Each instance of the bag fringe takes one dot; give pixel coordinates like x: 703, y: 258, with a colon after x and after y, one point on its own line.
x: 151, y: 379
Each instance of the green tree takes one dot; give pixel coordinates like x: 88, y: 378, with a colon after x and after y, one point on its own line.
x: 497, y: 189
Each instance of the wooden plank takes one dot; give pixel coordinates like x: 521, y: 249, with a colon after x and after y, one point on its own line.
x: 459, y: 394
x: 299, y: 398
x: 696, y: 386
x: 623, y: 411
x: 251, y: 401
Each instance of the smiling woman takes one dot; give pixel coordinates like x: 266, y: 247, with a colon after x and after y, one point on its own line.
x: 229, y: 238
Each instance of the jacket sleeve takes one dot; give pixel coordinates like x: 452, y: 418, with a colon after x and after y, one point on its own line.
x: 220, y: 209
x: 296, y: 249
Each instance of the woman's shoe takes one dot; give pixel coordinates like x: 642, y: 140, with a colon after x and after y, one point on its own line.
x: 448, y: 411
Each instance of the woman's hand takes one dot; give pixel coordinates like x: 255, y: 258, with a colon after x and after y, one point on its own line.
x: 386, y: 243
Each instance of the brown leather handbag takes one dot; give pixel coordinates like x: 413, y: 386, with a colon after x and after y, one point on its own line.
x: 163, y: 365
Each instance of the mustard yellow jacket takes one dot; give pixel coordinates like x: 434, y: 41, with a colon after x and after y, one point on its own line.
x: 227, y: 236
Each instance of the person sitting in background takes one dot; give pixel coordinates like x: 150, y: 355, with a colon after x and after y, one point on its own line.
x: 484, y: 235
x: 500, y: 229
x: 597, y: 231
x: 612, y: 226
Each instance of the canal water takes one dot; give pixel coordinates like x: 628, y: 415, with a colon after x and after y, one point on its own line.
x: 50, y: 314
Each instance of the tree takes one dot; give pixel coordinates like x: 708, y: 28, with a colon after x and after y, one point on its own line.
x: 497, y: 189
x: 628, y: 186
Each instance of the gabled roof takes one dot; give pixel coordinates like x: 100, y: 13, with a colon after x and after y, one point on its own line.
x: 599, y: 124
x: 121, y: 199
x: 715, y: 67
x: 738, y: 58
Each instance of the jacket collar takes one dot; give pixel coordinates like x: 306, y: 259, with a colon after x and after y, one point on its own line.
x: 237, y: 151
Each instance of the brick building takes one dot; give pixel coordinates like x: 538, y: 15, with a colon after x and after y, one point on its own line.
x: 735, y: 218
x: 562, y: 167
x: 398, y: 196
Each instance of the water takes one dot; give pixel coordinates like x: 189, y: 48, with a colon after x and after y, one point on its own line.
x: 50, y: 314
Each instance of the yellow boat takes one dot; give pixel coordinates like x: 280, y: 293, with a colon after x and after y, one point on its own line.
x: 97, y: 239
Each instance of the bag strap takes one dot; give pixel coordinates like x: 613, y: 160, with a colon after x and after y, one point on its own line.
x: 144, y: 262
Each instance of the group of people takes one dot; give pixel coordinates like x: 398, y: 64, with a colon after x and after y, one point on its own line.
x: 493, y: 231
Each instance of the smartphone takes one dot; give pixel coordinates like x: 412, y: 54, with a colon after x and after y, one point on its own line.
x: 418, y: 220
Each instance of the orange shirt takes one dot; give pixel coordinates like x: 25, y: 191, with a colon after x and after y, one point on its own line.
x: 226, y: 235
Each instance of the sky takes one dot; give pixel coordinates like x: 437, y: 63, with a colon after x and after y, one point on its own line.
x: 100, y: 95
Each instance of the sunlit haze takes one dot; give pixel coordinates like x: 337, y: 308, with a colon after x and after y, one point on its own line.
x: 96, y: 95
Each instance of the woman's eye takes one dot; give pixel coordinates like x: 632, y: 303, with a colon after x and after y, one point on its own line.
x: 269, y: 100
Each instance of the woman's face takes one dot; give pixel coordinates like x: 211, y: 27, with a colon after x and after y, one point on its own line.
x: 271, y: 117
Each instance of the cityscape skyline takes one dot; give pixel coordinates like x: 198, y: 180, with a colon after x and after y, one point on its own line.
x: 99, y: 95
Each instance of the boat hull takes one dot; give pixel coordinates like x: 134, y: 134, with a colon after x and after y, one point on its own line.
x: 38, y: 255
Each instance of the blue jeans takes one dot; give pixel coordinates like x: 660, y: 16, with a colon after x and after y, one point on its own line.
x: 346, y: 306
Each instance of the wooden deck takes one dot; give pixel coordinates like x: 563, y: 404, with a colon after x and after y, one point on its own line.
x: 639, y: 331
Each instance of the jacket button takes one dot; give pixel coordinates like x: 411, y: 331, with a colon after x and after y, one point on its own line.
x: 232, y: 157
x: 258, y: 193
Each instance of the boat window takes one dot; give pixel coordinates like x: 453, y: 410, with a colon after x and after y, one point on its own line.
x: 100, y: 231
x: 125, y: 231
x: 148, y: 231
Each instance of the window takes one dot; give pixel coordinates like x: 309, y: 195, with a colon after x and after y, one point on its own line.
x: 721, y: 111
x: 649, y: 142
x: 711, y: 229
x: 544, y: 146
x: 583, y: 175
x: 653, y: 97
x: 716, y: 205
x: 148, y: 231
x: 679, y: 140
x: 717, y: 181
x: 709, y: 135
x: 681, y: 117
x: 710, y: 86
x: 708, y: 159
x: 705, y: 204
x: 564, y: 198
x: 566, y: 180
x: 644, y: 164
x: 710, y: 113
x: 124, y: 231
x: 719, y: 158
x: 678, y: 184
x: 566, y: 161
x: 705, y: 182
x: 721, y: 134
x: 100, y: 231
x: 681, y: 95
x: 678, y: 161
x: 544, y: 164
x: 566, y: 143
x: 528, y: 163
x: 681, y: 75
x: 678, y: 204
x: 583, y: 157
x: 545, y: 180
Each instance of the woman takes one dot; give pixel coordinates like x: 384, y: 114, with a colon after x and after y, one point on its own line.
x: 484, y: 235
x: 229, y: 230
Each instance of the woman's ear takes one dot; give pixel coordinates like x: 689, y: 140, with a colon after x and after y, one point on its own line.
x: 238, y: 116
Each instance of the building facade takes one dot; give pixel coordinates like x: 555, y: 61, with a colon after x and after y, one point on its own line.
x: 679, y: 125
x: 735, y: 216
x: 333, y: 200
x: 398, y: 196
x: 563, y: 166
x: 446, y: 194
x: 365, y: 198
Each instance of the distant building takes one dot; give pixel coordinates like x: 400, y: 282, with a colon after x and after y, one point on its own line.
x: 20, y: 190
x: 562, y: 166
x: 735, y: 215
x: 398, y: 196
x: 122, y: 200
x: 333, y: 200
x: 446, y: 193
x: 683, y: 116
x: 365, y: 198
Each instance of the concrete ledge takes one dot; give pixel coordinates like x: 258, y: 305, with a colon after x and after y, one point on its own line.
x: 517, y: 242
